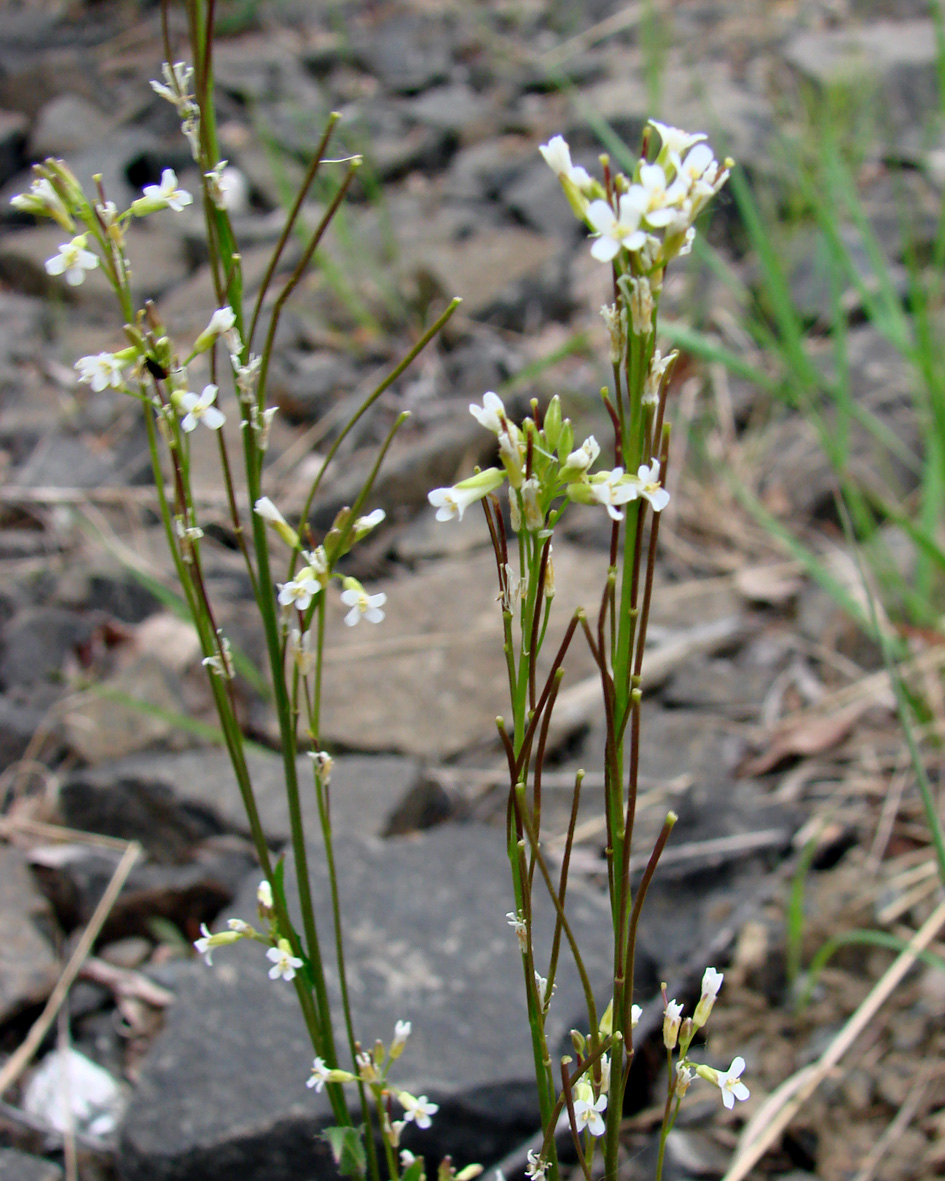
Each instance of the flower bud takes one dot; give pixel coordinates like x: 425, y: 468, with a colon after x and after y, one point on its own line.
x: 265, y: 508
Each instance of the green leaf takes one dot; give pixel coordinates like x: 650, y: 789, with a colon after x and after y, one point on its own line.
x: 414, y: 1172
x: 347, y: 1147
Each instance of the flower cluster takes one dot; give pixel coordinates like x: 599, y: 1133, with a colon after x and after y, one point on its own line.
x: 542, y: 466
x: 645, y: 219
x: 678, y: 1034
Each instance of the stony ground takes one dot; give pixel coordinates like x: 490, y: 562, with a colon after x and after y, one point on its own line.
x: 768, y: 725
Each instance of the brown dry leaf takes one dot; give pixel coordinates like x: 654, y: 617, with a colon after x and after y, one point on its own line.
x: 810, y: 734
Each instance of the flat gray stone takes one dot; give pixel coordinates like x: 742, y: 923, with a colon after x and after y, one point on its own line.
x: 892, y: 62
x: 188, y: 795
x: 426, y: 941
x: 21, y: 1166
x: 432, y: 678
x: 28, y: 968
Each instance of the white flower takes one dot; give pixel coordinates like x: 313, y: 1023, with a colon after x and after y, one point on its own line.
x: 611, y: 489
x: 200, y: 409
x: 43, y: 200
x: 222, y: 323
x: 363, y: 604
x: 265, y: 508
x: 72, y: 261
x: 402, y: 1031
x: 605, y: 1065
x: 672, y: 1019
x: 363, y: 525
x: 659, y: 196
x: 647, y: 481
x: 520, y: 927
x: 284, y: 963
x: 711, y: 983
x: 616, y: 230
x: 491, y: 414
x: 417, y: 1110
x: 100, y: 371
x: 654, y: 378
x: 240, y: 927
x: 557, y: 155
x: 167, y: 193
x: 541, y: 985
x: 302, y: 589
x: 584, y: 457
x: 683, y: 1078
x: 587, y: 1110
x: 323, y: 765
x: 635, y: 1014
x: 264, y: 895
x: 303, y: 651
x: 318, y: 1076
x: 453, y: 502
x: 730, y: 1084
x: 537, y: 1166
x: 204, y: 946
x: 176, y: 84
x: 674, y: 141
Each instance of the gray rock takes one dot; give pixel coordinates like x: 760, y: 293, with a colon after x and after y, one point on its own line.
x: 28, y: 967
x: 13, y: 128
x: 21, y: 1166
x: 406, y: 52
x: 74, y: 877
x: 109, y: 726
x: 427, y: 941
x: 18, y: 725
x: 67, y: 124
x: 895, y: 61
x: 448, y: 650
x: 170, y: 800
x: 36, y: 642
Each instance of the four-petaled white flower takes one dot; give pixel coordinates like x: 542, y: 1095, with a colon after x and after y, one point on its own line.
x: 611, y: 489
x: 168, y: 193
x: 72, y: 261
x: 284, y: 963
x: 557, y: 155
x: 588, y: 1110
x: 730, y: 1084
x: 200, y: 409
x: 418, y: 1110
x: 100, y: 371
x: 659, y: 196
x: 300, y: 591
x: 617, y: 230
x: 319, y: 1075
x: 647, y: 484
x: 363, y: 604
x: 711, y: 983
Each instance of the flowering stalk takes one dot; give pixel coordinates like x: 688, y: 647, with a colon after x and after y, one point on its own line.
x: 639, y: 223
x: 153, y: 370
